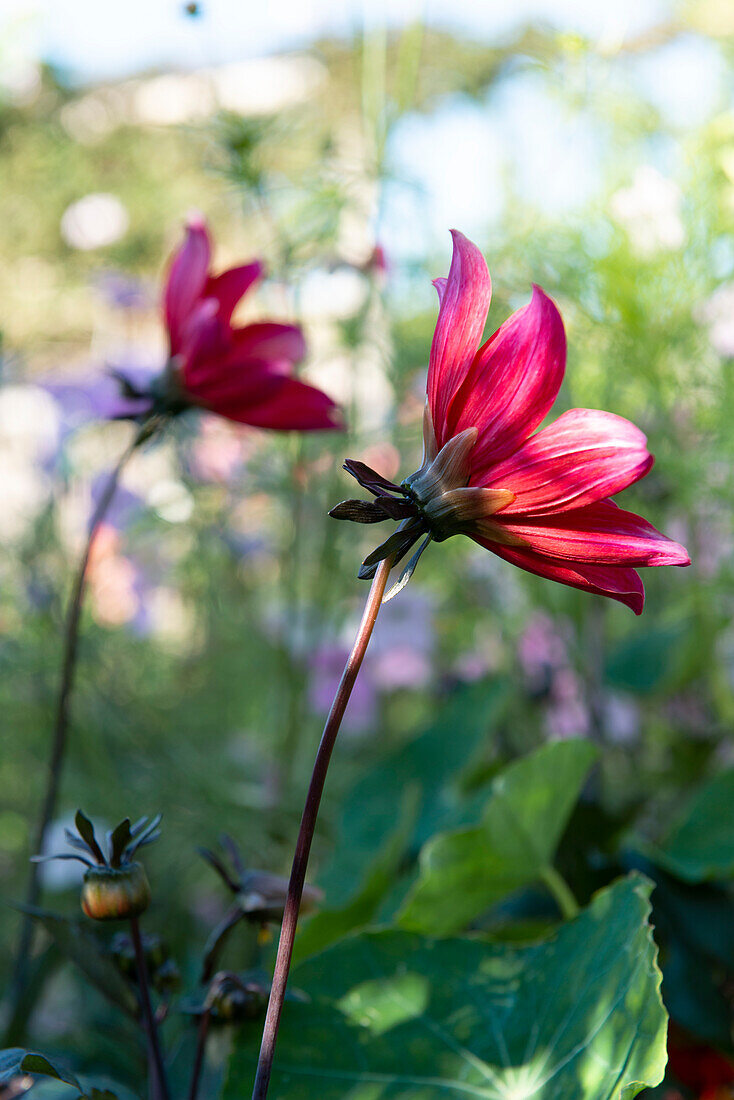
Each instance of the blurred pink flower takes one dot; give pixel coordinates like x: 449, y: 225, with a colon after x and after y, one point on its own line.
x: 217, y: 452
x: 243, y: 374
x: 541, y: 652
x: 401, y: 667
x: 112, y: 580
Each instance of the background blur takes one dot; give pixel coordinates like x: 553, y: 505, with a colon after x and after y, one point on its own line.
x: 587, y: 149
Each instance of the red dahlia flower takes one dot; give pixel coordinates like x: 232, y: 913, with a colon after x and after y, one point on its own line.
x: 540, y: 501
x: 244, y: 374
x: 701, y: 1068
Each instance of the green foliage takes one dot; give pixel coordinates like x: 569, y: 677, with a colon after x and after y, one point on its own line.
x: 700, y: 844
x: 15, y: 1062
x: 462, y: 873
x: 393, y: 1014
x: 440, y: 806
x: 78, y: 944
x: 424, y: 772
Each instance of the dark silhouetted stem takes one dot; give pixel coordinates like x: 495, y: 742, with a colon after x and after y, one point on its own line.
x: 200, y: 1048
x: 148, y: 1017
x: 306, y: 831
x: 61, y: 721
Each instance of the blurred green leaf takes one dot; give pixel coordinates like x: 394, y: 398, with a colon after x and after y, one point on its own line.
x: 16, y: 1061
x: 644, y: 661
x: 428, y: 765
x: 329, y: 925
x: 396, y: 1016
x: 700, y: 845
x: 79, y: 945
x: 462, y: 873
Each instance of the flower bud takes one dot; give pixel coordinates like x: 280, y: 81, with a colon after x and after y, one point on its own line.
x: 115, y: 886
x: 232, y: 1000
x: 115, y: 893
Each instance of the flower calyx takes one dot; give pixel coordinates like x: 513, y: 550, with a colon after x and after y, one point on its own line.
x: 115, y: 885
x: 432, y: 504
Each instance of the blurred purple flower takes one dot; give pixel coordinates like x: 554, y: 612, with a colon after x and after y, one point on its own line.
x: 541, y: 653
x: 567, y: 714
x: 111, y: 396
x: 125, y: 291
x: 326, y: 667
x: 403, y: 643
x: 124, y: 508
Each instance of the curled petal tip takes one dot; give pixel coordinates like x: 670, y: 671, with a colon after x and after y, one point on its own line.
x: 195, y: 220
x: 440, y: 285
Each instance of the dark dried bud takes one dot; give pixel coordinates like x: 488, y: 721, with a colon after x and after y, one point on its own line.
x: 233, y: 1000
x: 155, y: 951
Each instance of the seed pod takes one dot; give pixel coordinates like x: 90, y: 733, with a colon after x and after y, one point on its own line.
x: 115, y: 893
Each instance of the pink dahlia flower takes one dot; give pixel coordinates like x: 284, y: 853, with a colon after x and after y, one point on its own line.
x: 242, y: 373
x: 538, y: 499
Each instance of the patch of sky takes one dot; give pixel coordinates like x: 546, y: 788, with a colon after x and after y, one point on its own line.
x: 454, y: 167
x: 94, y: 40
x: 684, y: 79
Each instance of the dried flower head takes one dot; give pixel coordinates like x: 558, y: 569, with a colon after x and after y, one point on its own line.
x: 259, y: 898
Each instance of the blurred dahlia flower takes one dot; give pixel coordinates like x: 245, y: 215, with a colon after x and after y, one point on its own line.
x: 540, y: 501
x: 242, y: 373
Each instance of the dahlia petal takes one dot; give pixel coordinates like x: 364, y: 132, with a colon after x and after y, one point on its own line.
x: 186, y: 281
x: 205, y: 342
x: 440, y: 285
x: 583, y: 457
x: 464, y: 303
x: 292, y: 405
x: 617, y: 582
x: 269, y: 340
x: 221, y: 382
x: 229, y: 287
x: 512, y: 383
x: 599, y: 533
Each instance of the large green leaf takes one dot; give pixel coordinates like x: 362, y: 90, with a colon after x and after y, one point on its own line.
x: 397, y: 1016
x: 427, y: 765
x: 463, y: 872
x: 700, y: 844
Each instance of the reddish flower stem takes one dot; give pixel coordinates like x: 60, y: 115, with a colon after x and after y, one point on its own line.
x: 61, y: 721
x: 306, y: 831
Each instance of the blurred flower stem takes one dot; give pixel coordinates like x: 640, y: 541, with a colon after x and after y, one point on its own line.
x: 160, y: 1092
x: 61, y: 722
x: 561, y: 893
x: 308, y: 825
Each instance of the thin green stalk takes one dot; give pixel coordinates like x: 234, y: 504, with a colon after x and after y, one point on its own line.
x: 59, y: 742
x: 562, y: 893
